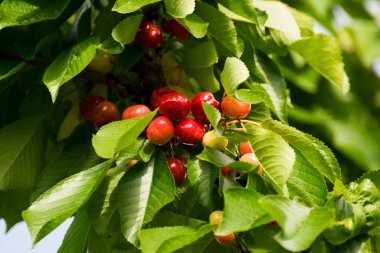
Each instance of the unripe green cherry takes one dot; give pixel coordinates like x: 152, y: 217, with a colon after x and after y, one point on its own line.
x: 102, y: 63
x: 212, y: 141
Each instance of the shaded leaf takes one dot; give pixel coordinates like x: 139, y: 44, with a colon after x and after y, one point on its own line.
x: 22, y: 157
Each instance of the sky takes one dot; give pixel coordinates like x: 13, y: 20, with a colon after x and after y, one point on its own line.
x: 18, y: 240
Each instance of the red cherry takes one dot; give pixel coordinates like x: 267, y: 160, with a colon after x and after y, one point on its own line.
x: 226, y: 240
x: 176, y: 29
x: 148, y: 35
x: 245, y: 147
x: 177, y: 169
x: 160, y: 130
x: 87, y: 106
x: 174, y: 106
x: 157, y: 94
x: 104, y: 113
x: 226, y: 171
x: 197, y: 109
x: 235, y: 109
x: 273, y: 224
x: 189, y: 131
x: 135, y: 111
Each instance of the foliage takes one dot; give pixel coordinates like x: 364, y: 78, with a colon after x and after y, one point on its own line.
x: 305, y: 89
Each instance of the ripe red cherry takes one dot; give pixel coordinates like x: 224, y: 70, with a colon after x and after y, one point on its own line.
x: 226, y: 171
x: 104, y: 113
x: 87, y: 106
x: 157, y: 94
x: 177, y: 169
x: 189, y: 131
x: 174, y: 106
x: 245, y: 147
x: 235, y: 109
x: 226, y: 240
x: 176, y: 29
x: 148, y: 35
x: 160, y: 130
x: 135, y: 111
x: 197, y: 109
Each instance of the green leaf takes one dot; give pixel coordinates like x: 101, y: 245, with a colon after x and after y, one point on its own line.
x: 128, y: 6
x: 300, y: 225
x: 322, y: 52
x: 262, y: 241
x: 126, y: 30
x: 312, y: 149
x: 202, y: 55
x: 275, y: 155
x: 212, y: 114
x: 103, y: 202
x: 65, y: 198
x: 202, y: 176
x: 374, y: 176
x: 241, y: 211
x: 220, y: 28
x: 234, y: 73
x: 169, y: 239
x: 195, y: 25
x: 244, y: 9
x: 205, y: 78
x: 68, y: 64
x: 24, y: 12
x: 77, y: 158
x: 280, y: 18
x: 144, y: 190
x: 179, y: 8
x: 76, y: 236
x: 116, y: 136
x: 274, y: 86
x: 215, y: 157
x: 256, y: 94
x: 9, y: 68
x: 306, y: 182
x: 22, y: 155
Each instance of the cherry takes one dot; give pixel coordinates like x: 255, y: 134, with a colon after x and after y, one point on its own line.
x: 226, y: 240
x: 235, y: 109
x: 250, y: 158
x: 157, y: 94
x: 189, y: 131
x: 104, y: 113
x: 102, y: 62
x: 132, y: 163
x: 135, y: 111
x: 175, y: 106
x: 273, y: 224
x: 176, y: 29
x: 87, y: 106
x: 245, y: 147
x: 226, y: 171
x: 177, y: 169
x: 148, y: 35
x: 197, y: 109
x: 160, y: 130
x: 216, y: 217
x: 212, y: 141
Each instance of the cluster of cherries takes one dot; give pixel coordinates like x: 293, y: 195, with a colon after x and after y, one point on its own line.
x: 150, y: 35
x: 174, y: 122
